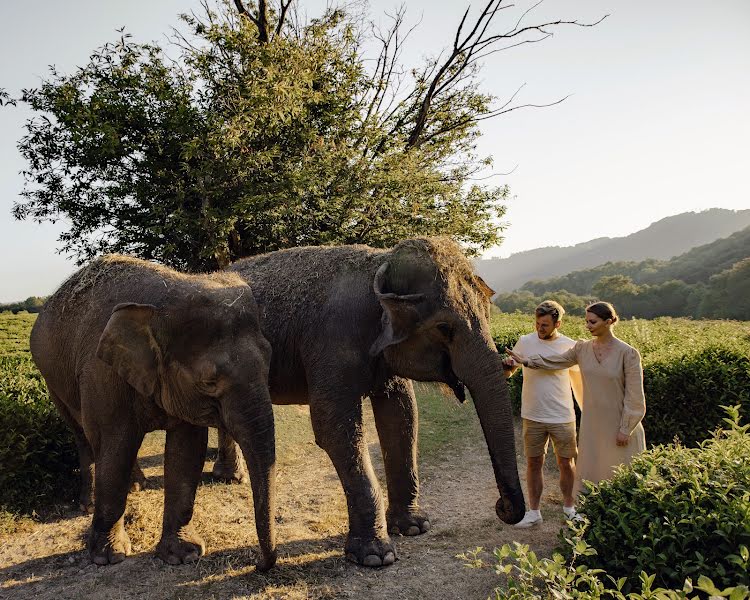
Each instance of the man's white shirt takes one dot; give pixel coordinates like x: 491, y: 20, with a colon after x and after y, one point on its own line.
x: 546, y: 396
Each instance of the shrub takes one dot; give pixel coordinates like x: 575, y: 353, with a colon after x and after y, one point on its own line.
x: 677, y: 511
x: 556, y: 578
x: 684, y: 393
x: 37, y: 451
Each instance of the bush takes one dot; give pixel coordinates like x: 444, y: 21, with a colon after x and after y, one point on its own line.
x: 684, y: 393
x: 677, y: 511
x: 37, y: 451
x: 555, y: 578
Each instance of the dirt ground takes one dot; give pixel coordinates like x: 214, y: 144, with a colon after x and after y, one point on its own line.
x: 48, y: 560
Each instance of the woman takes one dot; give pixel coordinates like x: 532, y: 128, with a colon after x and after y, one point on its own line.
x: 613, y: 402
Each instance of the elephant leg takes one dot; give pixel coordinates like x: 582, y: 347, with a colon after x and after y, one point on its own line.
x: 108, y: 542
x: 138, y: 480
x: 395, y: 410
x: 229, y: 465
x: 184, y: 455
x: 252, y: 424
x: 85, y: 455
x: 86, y: 461
x: 339, y: 431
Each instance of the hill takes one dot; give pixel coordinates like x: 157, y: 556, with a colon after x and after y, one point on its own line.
x: 695, y: 266
x: 662, y: 240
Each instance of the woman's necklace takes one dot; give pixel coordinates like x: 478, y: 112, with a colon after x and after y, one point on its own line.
x: 602, y: 349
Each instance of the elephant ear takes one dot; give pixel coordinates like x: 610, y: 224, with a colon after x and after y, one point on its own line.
x: 483, y: 287
x: 400, y: 316
x: 127, y: 344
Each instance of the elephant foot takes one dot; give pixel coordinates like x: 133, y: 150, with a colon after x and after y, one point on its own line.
x: 370, y: 553
x: 266, y: 561
x: 109, y: 547
x: 185, y: 546
x: 229, y: 472
x: 407, y: 522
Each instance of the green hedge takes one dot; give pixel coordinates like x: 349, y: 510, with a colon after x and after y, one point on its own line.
x: 677, y: 512
x: 37, y: 452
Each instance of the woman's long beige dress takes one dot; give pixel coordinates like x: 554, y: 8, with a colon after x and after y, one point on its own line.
x: 613, y: 401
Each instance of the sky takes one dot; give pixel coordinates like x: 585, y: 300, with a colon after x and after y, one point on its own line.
x: 656, y: 122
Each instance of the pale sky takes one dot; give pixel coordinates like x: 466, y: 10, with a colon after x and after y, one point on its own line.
x: 657, y: 123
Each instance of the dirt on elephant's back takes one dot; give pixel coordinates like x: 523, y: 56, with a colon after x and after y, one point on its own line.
x: 49, y: 559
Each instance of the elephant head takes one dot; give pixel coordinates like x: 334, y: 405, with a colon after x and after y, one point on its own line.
x: 191, y: 358
x: 435, y: 327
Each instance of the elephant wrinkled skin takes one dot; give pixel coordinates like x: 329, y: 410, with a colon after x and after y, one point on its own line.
x: 126, y: 347
x: 350, y: 322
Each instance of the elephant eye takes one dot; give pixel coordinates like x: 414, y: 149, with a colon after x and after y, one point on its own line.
x: 446, y: 330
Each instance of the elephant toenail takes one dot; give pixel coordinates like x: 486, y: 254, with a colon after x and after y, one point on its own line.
x: 372, y: 560
x: 394, y: 530
x: 426, y: 526
x: 389, y: 559
x: 191, y: 557
x: 413, y: 530
x: 351, y: 557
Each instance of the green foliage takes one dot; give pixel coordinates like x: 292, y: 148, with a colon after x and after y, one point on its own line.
x: 711, y: 281
x: 558, y: 578
x: 691, y: 368
x: 675, y: 512
x: 679, y: 512
x: 684, y: 393
x: 37, y: 451
x: 32, y: 304
x: 244, y: 145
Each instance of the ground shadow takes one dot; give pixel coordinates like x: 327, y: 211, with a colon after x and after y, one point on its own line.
x: 220, y: 573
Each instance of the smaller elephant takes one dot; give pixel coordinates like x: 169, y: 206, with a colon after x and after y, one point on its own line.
x: 126, y: 347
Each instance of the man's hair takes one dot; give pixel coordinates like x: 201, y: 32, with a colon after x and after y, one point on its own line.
x: 551, y: 308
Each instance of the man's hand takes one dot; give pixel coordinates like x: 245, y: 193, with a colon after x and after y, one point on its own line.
x: 622, y: 438
x: 509, y: 363
x: 518, y: 359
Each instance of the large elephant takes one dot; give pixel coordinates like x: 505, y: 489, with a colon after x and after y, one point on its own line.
x: 349, y: 322
x: 126, y: 347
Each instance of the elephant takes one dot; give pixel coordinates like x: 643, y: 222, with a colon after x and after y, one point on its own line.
x: 125, y: 347
x: 349, y: 322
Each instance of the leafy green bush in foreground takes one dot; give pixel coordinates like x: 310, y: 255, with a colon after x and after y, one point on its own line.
x: 676, y: 511
x: 679, y: 513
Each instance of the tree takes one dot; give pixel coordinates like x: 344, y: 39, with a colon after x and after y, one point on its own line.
x: 263, y: 134
x: 620, y: 290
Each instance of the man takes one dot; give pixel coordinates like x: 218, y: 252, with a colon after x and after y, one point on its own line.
x: 547, y: 410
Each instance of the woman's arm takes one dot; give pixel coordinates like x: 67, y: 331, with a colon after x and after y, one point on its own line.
x: 634, y: 403
x: 550, y: 363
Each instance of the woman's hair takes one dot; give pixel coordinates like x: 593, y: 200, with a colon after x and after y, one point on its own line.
x: 603, y: 310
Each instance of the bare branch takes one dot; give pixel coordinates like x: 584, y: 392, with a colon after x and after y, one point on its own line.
x: 282, y: 15
x: 472, y: 48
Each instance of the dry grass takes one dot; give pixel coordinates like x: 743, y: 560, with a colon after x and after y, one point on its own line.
x: 48, y: 559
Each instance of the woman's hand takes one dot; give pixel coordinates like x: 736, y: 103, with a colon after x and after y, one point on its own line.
x: 622, y: 438
x: 519, y: 358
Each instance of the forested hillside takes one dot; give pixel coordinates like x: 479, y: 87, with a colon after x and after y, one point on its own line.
x: 696, y: 265
x: 667, y: 238
x: 711, y: 281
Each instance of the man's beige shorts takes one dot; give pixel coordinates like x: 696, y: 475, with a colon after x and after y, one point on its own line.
x: 536, y: 436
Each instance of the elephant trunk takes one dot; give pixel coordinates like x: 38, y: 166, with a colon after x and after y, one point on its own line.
x: 481, y: 370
